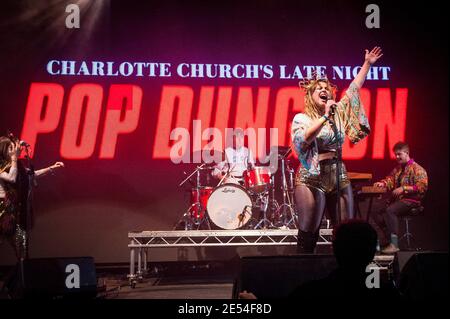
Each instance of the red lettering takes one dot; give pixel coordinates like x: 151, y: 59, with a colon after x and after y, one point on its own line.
x: 171, y: 96
x: 223, y: 110
x: 118, y: 121
x: 246, y: 113
x: 43, y: 111
x: 82, y: 119
x: 70, y: 147
x: 287, y: 97
x: 387, y: 123
x: 204, y: 114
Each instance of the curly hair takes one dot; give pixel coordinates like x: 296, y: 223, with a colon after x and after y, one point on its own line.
x: 5, y: 160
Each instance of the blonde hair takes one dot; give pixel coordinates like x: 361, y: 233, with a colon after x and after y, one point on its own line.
x: 311, y: 108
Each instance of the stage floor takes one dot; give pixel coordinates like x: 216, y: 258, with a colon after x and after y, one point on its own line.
x: 173, y: 280
x: 191, y: 287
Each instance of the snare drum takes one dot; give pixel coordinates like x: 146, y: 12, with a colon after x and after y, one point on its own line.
x: 229, y: 206
x: 257, y: 179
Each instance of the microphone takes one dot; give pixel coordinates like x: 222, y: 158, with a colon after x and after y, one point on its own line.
x: 332, y: 107
x: 23, y: 143
x: 242, y: 214
x: 15, y: 140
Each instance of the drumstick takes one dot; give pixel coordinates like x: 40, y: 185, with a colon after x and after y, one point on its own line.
x: 229, y: 170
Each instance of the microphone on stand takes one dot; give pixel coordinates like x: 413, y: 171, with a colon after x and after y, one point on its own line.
x: 241, y: 216
x: 23, y: 143
x: 332, y: 107
x: 15, y: 140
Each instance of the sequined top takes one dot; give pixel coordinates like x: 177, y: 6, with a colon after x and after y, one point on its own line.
x: 351, y: 120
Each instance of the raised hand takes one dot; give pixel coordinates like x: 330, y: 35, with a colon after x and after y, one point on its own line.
x: 373, y: 55
x: 57, y: 165
x: 379, y: 185
x: 14, y: 150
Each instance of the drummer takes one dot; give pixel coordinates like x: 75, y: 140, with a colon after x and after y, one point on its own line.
x: 237, y: 160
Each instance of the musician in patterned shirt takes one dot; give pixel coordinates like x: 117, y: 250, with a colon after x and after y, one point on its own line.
x: 408, y: 183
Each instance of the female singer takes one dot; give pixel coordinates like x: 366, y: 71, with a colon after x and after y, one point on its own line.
x: 14, y: 188
x: 315, y: 144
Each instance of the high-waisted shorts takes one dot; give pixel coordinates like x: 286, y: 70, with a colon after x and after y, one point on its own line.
x: 326, y: 180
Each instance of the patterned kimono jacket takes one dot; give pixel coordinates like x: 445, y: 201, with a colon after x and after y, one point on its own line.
x: 351, y: 120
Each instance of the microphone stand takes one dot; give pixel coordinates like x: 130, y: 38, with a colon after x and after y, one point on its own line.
x: 332, y: 121
x: 31, y: 183
x: 22, y: 235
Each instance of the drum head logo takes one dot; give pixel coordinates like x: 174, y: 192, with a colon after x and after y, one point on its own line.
x: 228, y: 190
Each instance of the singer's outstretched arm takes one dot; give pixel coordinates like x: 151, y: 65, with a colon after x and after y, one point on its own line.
x: 370, y: 58
x: 48, y: 170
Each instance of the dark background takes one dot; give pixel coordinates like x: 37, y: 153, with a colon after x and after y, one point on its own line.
x: 88, y: 208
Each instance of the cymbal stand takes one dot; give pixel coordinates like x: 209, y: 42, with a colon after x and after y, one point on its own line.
x: 273, y: 203
x: 188, y: 220
x: 264, y: 199
x: 286, y: 210
x: 185, y: 220
x: 197, y: 170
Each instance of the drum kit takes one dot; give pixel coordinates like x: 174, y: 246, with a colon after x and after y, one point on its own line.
x: 247, y: 202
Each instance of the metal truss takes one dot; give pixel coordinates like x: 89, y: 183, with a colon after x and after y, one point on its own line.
x: 141, y: 242
x: 191, y: 238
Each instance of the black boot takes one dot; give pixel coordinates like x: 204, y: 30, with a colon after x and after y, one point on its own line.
x: 306, y: 242
x: 314, y: 239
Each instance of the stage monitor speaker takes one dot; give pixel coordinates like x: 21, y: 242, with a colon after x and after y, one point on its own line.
x: 400, y: 260
x: 278, y: 276
x: 55, y: 278
x: 421, y: 275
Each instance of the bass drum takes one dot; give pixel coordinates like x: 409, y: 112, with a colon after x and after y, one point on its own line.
x: 229, y: 206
